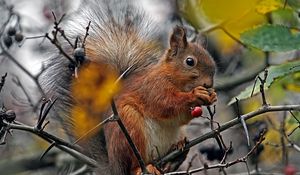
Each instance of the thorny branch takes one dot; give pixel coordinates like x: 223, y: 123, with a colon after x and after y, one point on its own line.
x: 129, y: 140
x: 222, y: 165
x: 227, y: 125
x: 73, y: 150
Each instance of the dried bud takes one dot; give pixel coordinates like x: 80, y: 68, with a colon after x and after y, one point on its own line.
x: 71, y: 67
x: 10, y: 115
x: 7, y: 41
x: 79, y: 54
x: 19, y: 37
x: 11, y: 31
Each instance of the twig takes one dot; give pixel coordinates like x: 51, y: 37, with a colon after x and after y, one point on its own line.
x: 41, y: 133
x: 217, y: 137
x: 73, y: 150
x: 221, y: 165
x: 111, y: 118
x: 262, y: 86
x: 22, y: 68
x: 2, y: 81
x: 61, y: 50
x: 16, y: 80
x: 243, y: 122
x: 44, y: 113
x: 282, y: 140
x: 233, y: 37
x: 225, y: 126
x: 128, y: 138
x: 86, y: 34
x: 47, y: 150
x: 226, y: 153
x: 190, y: 163
x: 296, y: 126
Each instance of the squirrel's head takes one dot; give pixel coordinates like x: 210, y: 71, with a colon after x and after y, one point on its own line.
x: 189, y: 62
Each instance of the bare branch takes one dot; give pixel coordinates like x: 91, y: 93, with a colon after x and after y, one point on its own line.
x: 129, y: 140
x: 227, y: 125
x: 221, y: 165
x: 69, y: 148
x: 2, y: 81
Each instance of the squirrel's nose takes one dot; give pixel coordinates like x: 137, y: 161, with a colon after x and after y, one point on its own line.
x: 210, y: 85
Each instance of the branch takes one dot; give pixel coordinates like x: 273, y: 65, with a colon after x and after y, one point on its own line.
x: 128, y: 138
x: 2, y: 81
x: 221, y: 165
x: 73, y: 150
x: 227, y: 125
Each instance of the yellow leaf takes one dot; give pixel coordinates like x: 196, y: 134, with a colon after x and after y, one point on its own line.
x: 266, y: 6
x: 92, y: 92
x: 293, y: 87
x: 272, y: 152
x: 236, y: 16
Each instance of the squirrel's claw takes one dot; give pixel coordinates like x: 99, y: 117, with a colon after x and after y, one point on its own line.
x: 204, y: 96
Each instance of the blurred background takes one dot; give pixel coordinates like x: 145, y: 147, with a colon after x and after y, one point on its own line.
x: 244, y: 38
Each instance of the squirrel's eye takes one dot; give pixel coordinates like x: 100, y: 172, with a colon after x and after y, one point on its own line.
x: 190, y: 61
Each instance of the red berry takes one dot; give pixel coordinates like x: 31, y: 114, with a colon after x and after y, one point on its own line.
x: 196, y: 111
x: 290, y: 170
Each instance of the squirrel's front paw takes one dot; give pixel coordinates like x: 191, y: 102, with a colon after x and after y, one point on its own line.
x: 150, y: 168
x: 204, y: 96
x: 174, y: 164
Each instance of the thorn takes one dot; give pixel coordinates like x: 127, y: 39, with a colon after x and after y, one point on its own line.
x: 47, y: 150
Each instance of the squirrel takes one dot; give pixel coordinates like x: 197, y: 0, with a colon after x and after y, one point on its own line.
x: 157, y: 93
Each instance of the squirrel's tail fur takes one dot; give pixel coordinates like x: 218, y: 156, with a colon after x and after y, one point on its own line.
x: 120, y: 35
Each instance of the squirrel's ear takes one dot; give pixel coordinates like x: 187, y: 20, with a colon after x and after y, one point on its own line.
x: 178, y: 39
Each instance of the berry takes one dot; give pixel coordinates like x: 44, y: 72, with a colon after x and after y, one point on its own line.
x: 196, y: 111
x: 19, y: 37
x: 10, y: 115
x: 7, y: 41
x: 290, y: 170
x: 11, y: 31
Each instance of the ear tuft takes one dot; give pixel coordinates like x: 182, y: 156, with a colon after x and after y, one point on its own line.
x: 178, y: 39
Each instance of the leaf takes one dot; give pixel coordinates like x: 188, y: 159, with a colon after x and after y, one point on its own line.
x: 272, y: 38
x: 271, y: 154
x: 237, y: 16
x: 286, y: 17
x: 266, y: 6
x: 274, y: 72
x: 92, y: 92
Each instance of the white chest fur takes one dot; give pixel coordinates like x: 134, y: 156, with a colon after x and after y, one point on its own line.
x: 161, y: 136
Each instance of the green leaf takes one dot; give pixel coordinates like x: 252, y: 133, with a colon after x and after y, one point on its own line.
x: 272, y: 38
x: 286, y: 17
x: 274, y: 72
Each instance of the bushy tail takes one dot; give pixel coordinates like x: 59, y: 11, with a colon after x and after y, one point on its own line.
x: 121, y: 34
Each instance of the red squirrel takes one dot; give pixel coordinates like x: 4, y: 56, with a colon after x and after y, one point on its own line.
x: 157, y: 94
